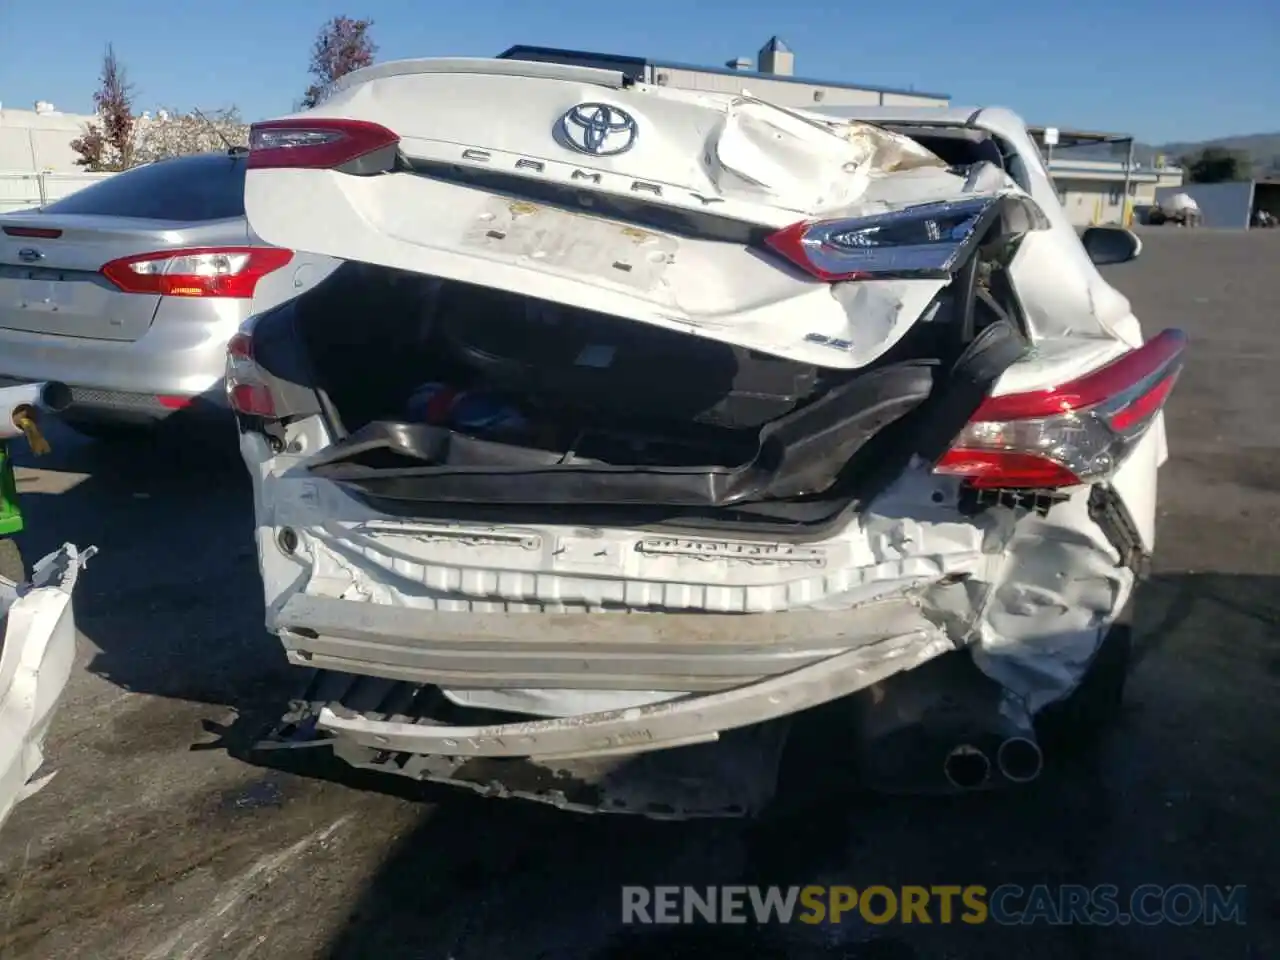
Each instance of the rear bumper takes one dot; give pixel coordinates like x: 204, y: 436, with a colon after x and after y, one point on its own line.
x: 114, y: 406
x: 748, y: 668
x: 35, y: 664
x: 177, y: 357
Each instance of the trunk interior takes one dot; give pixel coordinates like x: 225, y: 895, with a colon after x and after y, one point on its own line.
x: 458, y: 401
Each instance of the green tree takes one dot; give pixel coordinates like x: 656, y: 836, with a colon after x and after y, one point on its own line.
x: 1217, y: 165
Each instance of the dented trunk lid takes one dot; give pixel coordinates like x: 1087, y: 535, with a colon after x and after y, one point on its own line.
x: 729, y: 154
x: 576, y: 186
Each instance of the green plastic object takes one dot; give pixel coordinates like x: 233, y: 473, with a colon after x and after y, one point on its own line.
x: 10, y: 515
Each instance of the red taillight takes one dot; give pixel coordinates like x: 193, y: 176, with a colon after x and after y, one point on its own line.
x: 251, y: 399
x: 1075, y: 433
x: 314, y: 143
x: 240, y: 347
x: 246, y: 391
x: 198, y: 272
x: 35, y: 233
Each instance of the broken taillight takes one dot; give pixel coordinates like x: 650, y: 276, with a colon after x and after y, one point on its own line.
x: 1078, y: 432
x: 922, y: 241
x: 247, y: 392
x: 315, y: 142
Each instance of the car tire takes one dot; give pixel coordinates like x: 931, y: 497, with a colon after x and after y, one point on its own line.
x: 1082, y: 718
x: 12, y: 566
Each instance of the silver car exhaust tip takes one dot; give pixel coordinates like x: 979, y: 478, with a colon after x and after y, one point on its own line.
x: 966, y: 767
x: 1020, y: 759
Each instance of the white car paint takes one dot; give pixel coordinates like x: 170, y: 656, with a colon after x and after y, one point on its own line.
x: 1042, y: 591
x: 39, y: 634
x: 706, y: 288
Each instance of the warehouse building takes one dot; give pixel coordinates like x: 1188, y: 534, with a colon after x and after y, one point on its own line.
x: 37, y: 164
x: 1233, y: 205
x: 39, y: 139
x: 771, y: 76
x: 1094, y: 185
x: 1105, y: 191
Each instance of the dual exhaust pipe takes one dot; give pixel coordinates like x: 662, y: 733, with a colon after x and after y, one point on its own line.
x: 1018, y: 759
x: 944, y: 727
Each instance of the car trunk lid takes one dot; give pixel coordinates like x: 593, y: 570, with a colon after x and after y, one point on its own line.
x: 483, y: 172
x: 731, y: 154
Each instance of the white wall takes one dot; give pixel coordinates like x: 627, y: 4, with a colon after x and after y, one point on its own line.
x: 1224, y: 205
x: 1089, y: 202
x: 39, y: 141
x: 21, y: 189
x: 1092, y: 191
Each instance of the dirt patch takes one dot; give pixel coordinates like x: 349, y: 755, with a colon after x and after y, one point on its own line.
x: 155, y: 725
x: 84, y: 884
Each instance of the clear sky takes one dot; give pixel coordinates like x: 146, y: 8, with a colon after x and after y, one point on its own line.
x: 1161, y: 69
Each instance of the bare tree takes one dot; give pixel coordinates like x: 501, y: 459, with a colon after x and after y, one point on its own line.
x: 108, y: 143
x: 342, y: 45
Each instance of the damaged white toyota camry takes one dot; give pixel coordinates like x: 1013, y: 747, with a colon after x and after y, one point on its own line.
x: 637, y: 421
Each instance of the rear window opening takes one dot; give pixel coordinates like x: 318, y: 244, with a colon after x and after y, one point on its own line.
x: 189, y: 189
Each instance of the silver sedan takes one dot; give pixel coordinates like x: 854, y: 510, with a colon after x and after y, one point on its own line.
x: 128, y: 290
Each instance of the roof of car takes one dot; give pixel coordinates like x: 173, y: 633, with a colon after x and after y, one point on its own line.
x: 235, y: 153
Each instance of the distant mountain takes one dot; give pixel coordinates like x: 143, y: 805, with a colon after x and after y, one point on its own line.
x: 1264, y: 148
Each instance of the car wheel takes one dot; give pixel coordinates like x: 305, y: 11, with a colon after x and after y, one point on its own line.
x: 11, y: 565
x: 1083, y: 717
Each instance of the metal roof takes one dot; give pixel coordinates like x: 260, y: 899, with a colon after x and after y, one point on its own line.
x: 1079, y: 138
x: 634, y: 66
x: 902, y: 113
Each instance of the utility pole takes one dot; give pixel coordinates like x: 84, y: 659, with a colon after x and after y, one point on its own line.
x: 1128, y: 176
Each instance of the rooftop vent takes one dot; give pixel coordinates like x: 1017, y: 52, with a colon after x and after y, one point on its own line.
x: 740, y: 63
x: 776, y: 57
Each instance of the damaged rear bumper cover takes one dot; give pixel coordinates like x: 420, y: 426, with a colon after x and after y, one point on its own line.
x: 39, y: 649
x: 747, y: 669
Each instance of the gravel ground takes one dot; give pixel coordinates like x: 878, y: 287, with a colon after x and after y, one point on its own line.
x: 154, y: 842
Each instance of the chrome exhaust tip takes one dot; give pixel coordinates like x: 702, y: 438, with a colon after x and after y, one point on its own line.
x: 1020, y: 759
x: 966, y: 767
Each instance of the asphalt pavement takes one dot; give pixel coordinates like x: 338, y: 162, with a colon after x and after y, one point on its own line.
x: 156, y: 840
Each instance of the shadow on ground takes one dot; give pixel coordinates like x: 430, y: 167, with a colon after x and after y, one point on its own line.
x: 1184, y: 791
x: 173, y: 600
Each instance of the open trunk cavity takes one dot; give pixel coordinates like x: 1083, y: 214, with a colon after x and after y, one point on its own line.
x: 446, y: 396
